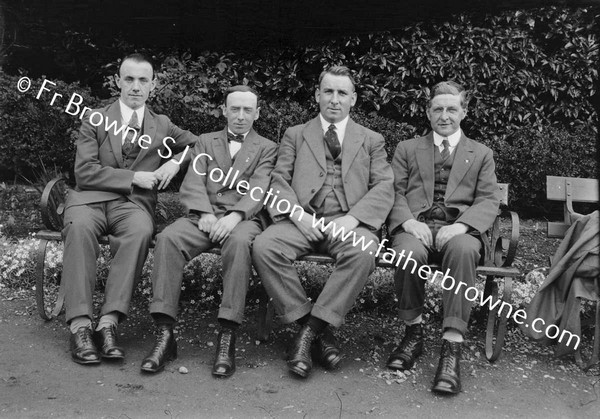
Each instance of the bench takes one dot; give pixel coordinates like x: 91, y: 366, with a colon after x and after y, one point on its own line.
x: 569, y: 190
x: 499, y: 258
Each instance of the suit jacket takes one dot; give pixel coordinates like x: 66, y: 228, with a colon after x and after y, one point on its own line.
x: 254, y: 161
x: 99, y: 170
x: 472, y: 188
x: 367, y: 176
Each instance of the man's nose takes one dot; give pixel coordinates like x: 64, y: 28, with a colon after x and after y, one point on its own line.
x: 240, y: 115
x: 335, y: 98
x: 444, y: 114
x: 136, y: 85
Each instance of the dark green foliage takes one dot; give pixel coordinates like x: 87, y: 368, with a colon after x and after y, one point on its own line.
x: 529, y: 155
x: 34, y: 135
x: 527, y: 71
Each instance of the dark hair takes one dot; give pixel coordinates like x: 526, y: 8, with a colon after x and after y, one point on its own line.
x: 449, y: 87
x: 240, y: 88
x: 338, y: 70
x: 138, y: 57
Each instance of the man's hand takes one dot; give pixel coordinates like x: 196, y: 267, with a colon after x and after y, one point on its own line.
x: 420, y: 230
x: 144, y: 180
x: 166, y: 173
x: 222, y: 228
x: 306, y: 228
x: 344, y: 224
x: 449, y: 231
x: 206, y: 222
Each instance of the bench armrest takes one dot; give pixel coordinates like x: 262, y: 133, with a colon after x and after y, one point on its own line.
x: 502, y: 249
x: 52, y: 203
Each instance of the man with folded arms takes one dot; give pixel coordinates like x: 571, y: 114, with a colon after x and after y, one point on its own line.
x: 446, y: 199
x: 117, y: 173
x: 333, y: 168
x: 218, y: 214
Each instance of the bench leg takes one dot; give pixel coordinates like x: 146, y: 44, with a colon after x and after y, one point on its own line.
x: 264, y: 316
x: 586, y: 365
x: 39, y: 284
x: 40, y: 261
x: 496, y: 326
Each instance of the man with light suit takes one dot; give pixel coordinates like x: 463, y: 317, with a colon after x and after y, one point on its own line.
x: 333, y: 170
x: 117, y: 171
x: 219, y: 213
x: 447, y: 197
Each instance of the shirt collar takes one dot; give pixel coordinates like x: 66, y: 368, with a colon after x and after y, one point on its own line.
x: 340, y: 127
x: 452, y: 139
x: 232, y: 133
x: 127, y: 113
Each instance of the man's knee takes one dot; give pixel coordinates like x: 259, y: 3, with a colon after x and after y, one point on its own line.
x: 406, y: 245
x: 463, y: 246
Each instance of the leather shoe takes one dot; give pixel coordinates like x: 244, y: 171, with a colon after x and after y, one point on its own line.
x: 299, y: 357
x: 165, y: 349
x: 83, y: 350
x: 106, y: 340
x: 404, y: 356
x: 224, y: 365
x: 326, y: 350
x: 447, y: 376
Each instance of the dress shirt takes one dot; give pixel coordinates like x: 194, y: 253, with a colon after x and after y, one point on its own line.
x: 234, y: 146
x: 452, y: 139
x: 127, y: 113
x: 340, y: 127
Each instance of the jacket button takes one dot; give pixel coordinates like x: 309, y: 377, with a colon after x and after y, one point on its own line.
x: 321, y: 174
x: 219, y: 194
x: 312, y: 190
x: 423, y: 206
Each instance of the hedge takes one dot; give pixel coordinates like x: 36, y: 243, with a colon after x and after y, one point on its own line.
x: 532, y: 76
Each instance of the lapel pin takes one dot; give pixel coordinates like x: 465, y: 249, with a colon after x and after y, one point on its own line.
x: 466, y: 161
x: 247, y: 159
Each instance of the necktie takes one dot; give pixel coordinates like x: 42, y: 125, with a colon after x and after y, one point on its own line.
x: 446, y: 150
x: 127, y: 142
x: 333, y: 143
x: 239, y: 138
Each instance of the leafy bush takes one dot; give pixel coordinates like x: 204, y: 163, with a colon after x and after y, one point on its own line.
x: 35, y: 135
x: 529, y: 155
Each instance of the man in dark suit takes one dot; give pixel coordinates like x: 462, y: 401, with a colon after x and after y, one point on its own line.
x: 331, y: 176
x: 117, y: 171
x: 446, y: 199
x: 222, y: 191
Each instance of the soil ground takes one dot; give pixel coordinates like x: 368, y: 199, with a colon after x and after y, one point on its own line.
x: 39, y: 380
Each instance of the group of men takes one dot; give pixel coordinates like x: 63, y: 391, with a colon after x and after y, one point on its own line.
x: 438, y: 198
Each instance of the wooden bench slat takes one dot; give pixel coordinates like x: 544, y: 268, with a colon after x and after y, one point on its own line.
x: 582, y: 190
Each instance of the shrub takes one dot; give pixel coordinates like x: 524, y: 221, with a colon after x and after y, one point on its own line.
x: 529, y: 155
x: 34, y: 134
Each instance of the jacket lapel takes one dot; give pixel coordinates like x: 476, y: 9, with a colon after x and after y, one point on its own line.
x: 114, y: 114
x: 313, y: 135
x: 149, y: 129
x: 424, y: 155
x: 353, y: 141
x: 221, y: 150
x: 246, y: 154
x: 461, y: 165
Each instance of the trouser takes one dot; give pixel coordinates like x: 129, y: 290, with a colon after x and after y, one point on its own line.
x: 129, y: 229
x: 460, y: 255
x: 181, y: 242
x: 281, y: 244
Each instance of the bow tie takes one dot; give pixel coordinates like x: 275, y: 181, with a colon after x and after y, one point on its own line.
x: 239, y: 138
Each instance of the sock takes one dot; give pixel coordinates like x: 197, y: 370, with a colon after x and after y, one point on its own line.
x: 81, y: 321
x: 453, y: 335
x: 228, y: 324
x: 416, y: 320
x: 108, y: 320
x: 161, y: 319
x: 317, y: 324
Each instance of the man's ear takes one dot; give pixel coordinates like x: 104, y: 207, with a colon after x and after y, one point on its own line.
x: 224, y: 109
x: 153, y: 84
x: 317, y: 94
x: 257, y: 113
